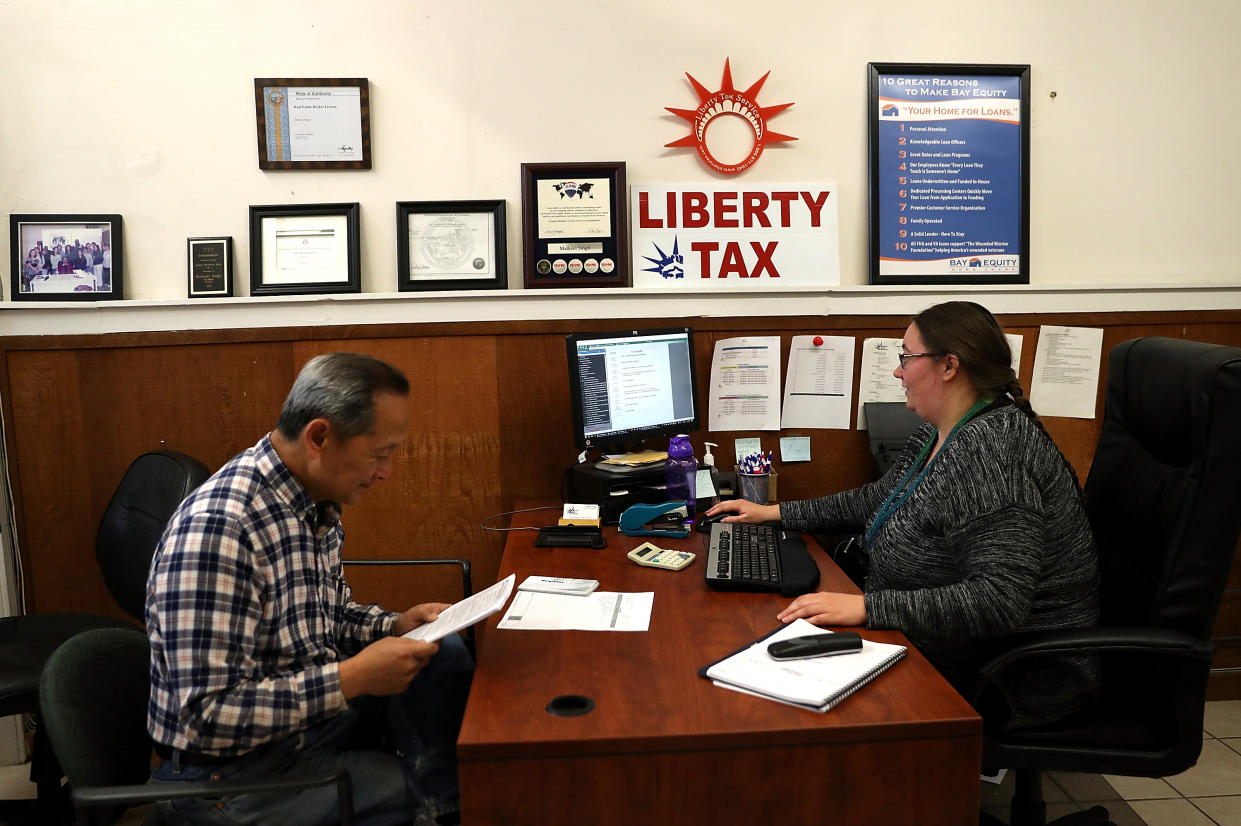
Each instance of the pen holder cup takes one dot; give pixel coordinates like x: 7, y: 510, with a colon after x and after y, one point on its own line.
x: 754, y: 487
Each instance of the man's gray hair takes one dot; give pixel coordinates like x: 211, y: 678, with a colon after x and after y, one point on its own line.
x: 341, y: 388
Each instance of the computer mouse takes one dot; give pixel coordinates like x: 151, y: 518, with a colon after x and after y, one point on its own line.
x: 704, y: 523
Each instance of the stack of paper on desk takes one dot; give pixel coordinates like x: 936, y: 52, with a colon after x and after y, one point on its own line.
x: 599, y: 611
x: 558, y: 585
x: 818, y: 683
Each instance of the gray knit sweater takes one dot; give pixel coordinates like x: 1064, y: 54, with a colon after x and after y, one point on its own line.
x: 993, y: 541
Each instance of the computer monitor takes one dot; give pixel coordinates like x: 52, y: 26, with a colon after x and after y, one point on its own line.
x: 890, y: 424
x: 631, y: 385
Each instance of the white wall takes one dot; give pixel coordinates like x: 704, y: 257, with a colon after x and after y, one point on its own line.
x: 145, y: 108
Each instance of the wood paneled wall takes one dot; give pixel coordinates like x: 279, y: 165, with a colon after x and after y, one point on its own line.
x: 491, y: 428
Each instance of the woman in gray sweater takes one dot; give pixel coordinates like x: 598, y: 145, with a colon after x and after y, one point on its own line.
x: 975, y: 534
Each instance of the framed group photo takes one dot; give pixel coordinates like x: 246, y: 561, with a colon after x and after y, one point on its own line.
x: 574, y: 225
x: 304, y: 249
x: 65, y: 258
x: 949, y: 173
x: 451, y: 245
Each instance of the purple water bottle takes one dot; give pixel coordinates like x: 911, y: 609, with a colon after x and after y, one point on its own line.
x: 681, y: 472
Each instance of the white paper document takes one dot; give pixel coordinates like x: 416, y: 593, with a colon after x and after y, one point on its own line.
x: 818, y: 385
x: 877, y: 384
x: 1066, y: 371
x: 745, y: 384
x: 466, y: 612
x: 600, y: 611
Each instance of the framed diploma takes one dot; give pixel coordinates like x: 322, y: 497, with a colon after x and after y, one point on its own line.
x: 65, y: 258
x: 451, y: 245
x: 573, y: 222
x: 949, y: 173
x: 209, y: 262
x: 305, y: 249
x: 314, y: 123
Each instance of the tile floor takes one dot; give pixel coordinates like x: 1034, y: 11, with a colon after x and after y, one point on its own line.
x: 1209, y: 794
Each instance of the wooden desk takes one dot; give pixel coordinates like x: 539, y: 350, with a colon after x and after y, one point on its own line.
x: 665, y: 746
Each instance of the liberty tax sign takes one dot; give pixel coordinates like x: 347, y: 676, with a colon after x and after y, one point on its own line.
x: 756, y: 235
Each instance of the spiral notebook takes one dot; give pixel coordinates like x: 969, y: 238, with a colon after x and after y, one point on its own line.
x: 817, y: 684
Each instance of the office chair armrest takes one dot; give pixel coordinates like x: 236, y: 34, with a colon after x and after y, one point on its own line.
x: 1155, y: 641
x: 467, y: 583
x: 91, y: 796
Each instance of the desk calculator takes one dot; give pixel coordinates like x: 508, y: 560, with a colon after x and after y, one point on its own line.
x: 654, y: 557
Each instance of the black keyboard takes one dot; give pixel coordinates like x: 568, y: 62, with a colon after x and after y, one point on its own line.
x: 745, y: 557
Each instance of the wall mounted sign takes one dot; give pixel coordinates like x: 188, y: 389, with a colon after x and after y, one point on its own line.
x: 758, y: 236
x: 728, y: 102
x: 949, y: 174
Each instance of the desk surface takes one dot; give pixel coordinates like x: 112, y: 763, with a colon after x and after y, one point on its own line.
x: 655, y: 719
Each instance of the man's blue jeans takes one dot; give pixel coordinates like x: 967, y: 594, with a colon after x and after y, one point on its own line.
x: 400, y: 752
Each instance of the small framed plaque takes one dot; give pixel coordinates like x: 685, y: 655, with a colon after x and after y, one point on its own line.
x: 209, y: 262
x: 949, y: 173
x: 65, y: 258
x: 451, y: 245
x: 313, y: 123
x: 304, y: 249
x: 574, y: 225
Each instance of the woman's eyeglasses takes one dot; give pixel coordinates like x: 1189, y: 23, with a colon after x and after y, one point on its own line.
x: 904, y: 357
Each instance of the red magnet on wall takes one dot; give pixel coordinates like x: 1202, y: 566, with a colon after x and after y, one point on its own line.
x: 818, y: 341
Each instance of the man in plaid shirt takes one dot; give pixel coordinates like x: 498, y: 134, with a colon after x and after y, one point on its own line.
x: 261, y: 662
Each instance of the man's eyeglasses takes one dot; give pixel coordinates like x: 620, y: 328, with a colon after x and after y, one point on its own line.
x: 904, y: 357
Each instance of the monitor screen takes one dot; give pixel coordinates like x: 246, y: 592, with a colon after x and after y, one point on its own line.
x: 630, y: 385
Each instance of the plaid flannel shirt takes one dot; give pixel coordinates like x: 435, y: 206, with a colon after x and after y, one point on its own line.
x: 248, y: 613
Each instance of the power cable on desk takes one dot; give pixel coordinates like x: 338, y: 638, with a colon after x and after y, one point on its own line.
x: 487, y: 527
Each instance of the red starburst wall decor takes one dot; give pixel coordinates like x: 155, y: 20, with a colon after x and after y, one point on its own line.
x: 729, y: 102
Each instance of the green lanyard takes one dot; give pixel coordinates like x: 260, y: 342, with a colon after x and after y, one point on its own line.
x: 905, y: 488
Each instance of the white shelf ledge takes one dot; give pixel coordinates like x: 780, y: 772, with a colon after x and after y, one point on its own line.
x: 73, y: 318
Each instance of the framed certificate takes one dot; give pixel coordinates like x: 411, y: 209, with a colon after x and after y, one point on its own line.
x: 209, y: 262
x: 305, y: 249
x: 65, y: 258
x: 451, y: 245
x: 949, y: 173
x: 313, y: 123
x: 574, y: 223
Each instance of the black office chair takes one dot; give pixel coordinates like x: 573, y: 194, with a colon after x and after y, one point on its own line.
x: 1164, y: 501
x: 95, y: 690
x: 150, y: 491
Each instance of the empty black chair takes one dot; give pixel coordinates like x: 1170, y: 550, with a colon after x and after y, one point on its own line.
x: 146, y: 497
x: 1164, y: 501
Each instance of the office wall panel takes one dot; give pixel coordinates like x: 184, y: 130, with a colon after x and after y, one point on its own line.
x: 490, y: 429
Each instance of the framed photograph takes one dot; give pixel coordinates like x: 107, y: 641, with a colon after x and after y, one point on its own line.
x: 209, y: 264
x: 304, y: 249
x: 65, y: 258
x: 313, y: 123
x: 574, y: 225
x: 949, y: 173
x: 451, y: 245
